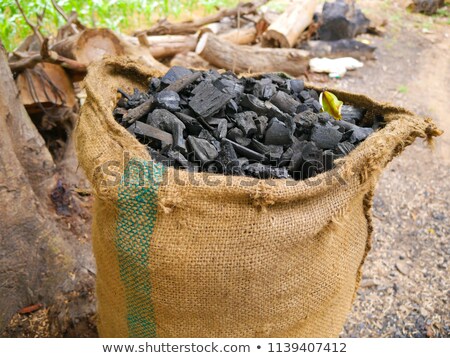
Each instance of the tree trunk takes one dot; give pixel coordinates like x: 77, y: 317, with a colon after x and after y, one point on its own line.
x: 224, y: 54
x: 166, y: 46
x: 287, y: 28
x: 41, y: 260
x: 191, y: 60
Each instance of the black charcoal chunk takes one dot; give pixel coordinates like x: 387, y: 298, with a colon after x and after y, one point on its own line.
x: 277, y: 133
x: 296, y: 86
x: 209, y: 101
x: 193, y: 127
x: 304, y: 95
x: 244, y: 151
x: 237, y: 135
x: 360, y: 133
x: 285, y: 102
x: 174, y: 74
x: 325, y: 137
x: 328, y: 159
x: 254, y: 104
x: 163, y: 119
x: 262, y: 171
x: 352, y: 114
x: 261, y: 125
x: 203, y: 151
x: 264, y: 88
x: 344, y: 148
x: 155, y: 83
x: 169, y: 100
x: 245, y: 121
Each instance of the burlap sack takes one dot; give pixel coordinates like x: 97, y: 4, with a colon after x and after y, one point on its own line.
x: 196, y: 255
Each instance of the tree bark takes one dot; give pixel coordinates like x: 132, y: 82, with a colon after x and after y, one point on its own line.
x: 241, y: 36
x: 40, y: 261
x: 224, y: 54
x: 287, y: 28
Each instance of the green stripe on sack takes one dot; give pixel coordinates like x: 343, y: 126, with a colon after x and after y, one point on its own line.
x: 137, y: 205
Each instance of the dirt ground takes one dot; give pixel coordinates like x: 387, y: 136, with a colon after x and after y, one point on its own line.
x: 405, y: 287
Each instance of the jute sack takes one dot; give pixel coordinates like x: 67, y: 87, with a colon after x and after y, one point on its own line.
x: 200, y: 255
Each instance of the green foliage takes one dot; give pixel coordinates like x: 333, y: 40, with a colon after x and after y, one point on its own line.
x: 119, y: 15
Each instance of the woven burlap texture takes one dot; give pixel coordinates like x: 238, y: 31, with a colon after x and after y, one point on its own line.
x: 232, y: 256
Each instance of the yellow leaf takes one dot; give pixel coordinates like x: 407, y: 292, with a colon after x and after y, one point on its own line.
x: 331, y: 104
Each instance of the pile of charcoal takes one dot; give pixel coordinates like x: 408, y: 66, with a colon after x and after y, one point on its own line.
x: 265, y: 127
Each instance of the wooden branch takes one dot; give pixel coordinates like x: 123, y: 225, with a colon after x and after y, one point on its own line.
x: 33, y: 27
x: 33, y: 58
x: 60, y: 10
x: 224, y: 54
x: 286, y: 29
x: 165, y: 27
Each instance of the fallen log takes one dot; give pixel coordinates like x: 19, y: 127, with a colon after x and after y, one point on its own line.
x: 46, y: 85
x: 339, y: 48
x: 224, y: 54
x: 286, y: 29
x: 241, y: 36
x: 165, y: 27
x: 89, y: 45
x: 191, y: 60
x: 165, y: 46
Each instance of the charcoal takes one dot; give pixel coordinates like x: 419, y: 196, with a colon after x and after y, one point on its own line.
x: 316, y: 106
x: 304, y: 95
x: 169, y: 100
x: 237, y: 135
x: 262, y: 171
x: 254, y: 104
x: 193, y: 127
x: 352, y: 114
x: 296, y: 86
x: 250, y: 154
x: 264, y: 89
x: 155, y: 83
x: 221, y: 130
x: 277, y: 133
x: 179, y: 159
x: 359, y: 134
x: 174, y: 74
x: 328, y: 159
x: 285, y: 102
x: 209, y: 101
x: 266, y: 127
x: 325, y: 137
x: 163, y: 119
x: 306, y: 120
x: 344, y: 148
x: 246, y: 123
x: 341, y: 21
x: 203, y: 150
x: 145, y: 131
x: 261, y: 125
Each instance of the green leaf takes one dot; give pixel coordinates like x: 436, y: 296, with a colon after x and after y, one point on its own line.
x: 331, y: 104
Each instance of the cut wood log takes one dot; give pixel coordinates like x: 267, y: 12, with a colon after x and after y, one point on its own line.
x: 141, y: 53
x: 166, y: 46
x: 46, y: 85
x: 191, y: 60
x: 224, y: 54
x: 216, y: 27
x: 286, y: 29
x: 241, y: 36
x: 89, y: 45
x: 340, y: 48
x: 165, y: 27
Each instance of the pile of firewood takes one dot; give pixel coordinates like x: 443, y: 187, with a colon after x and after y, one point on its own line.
x: 246, y: 38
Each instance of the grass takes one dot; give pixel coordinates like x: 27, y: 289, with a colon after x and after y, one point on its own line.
x: 402, y: 89
x: 119, y: 15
